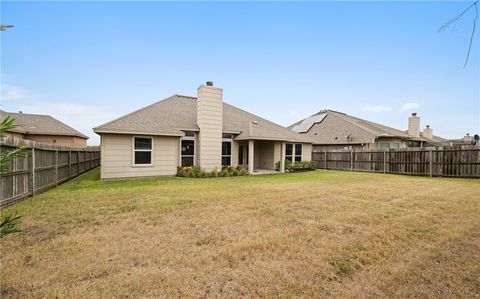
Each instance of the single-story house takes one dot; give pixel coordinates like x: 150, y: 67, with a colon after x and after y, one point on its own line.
x: 332, y: 130
x: 203, y: 130
x: 44, y: 129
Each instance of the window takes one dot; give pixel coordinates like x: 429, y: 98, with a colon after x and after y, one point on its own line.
x: 288, y: 151
x: 226, y: 153
x: 240, y: 154
x: 298, y: 152
x: 396, y: 145
x: 384, y: 145
x: 293, y: 152
x: 142, y: 151
x: 188, y: 152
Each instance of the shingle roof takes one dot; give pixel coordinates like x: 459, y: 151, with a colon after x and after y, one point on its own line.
x: 340, y: 128
x: 176, y: 113
x: 37, y: 124
x: 435, y: 140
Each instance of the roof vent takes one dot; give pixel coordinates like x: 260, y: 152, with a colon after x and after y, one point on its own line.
x: 209, y: 83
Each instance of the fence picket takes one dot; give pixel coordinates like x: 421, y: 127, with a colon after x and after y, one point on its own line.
x: 43, y: 168
x: 448, y: 162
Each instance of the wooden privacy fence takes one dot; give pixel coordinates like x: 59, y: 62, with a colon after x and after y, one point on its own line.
x: 444, y: 162
x: 42, y: 167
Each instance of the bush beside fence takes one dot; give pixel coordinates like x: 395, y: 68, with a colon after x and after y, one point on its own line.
x: 443, y: 162
x: 43, y: 166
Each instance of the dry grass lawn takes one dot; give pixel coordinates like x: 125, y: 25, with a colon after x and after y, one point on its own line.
x: 317, y: 234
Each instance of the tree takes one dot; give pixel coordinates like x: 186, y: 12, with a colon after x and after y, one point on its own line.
x: 454, y: 21
x: 9, y: 223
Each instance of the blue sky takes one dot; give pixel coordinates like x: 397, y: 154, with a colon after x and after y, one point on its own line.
x: 89, y: 62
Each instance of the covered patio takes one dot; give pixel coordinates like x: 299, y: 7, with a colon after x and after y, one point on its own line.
x: 260, y: 156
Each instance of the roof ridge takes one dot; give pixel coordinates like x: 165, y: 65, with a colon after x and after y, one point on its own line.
x: 22, y: 113
x: 184, y: 96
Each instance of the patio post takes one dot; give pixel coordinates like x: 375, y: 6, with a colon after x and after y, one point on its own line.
x: 251, y: 144
x: 282, y: 157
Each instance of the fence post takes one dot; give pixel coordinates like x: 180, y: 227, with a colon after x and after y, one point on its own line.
x: 32, y: 171
x: 325, y: 165
x: 69, y: 164
x: 430, y: 162
x: 56, y: 168
x: 78, y: 162
x: 351, y: 160
x: 384, y: 161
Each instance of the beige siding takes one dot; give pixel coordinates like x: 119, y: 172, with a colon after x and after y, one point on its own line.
x: 209, y: 119
x: 117, y: 157
x: 277, y: 151
x: 264, y: 155
x: 306, y: 152
x: 235, y: 153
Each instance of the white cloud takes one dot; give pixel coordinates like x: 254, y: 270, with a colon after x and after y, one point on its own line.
x: 13, y: 93
x: 81, y: 117
x: 409, y: 106
x: 377, y: 109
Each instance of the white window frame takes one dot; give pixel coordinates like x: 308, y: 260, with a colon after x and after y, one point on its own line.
x: 231, y: 149
x: 134, y: 150
x: 293, y: 155
x: 193, y: 138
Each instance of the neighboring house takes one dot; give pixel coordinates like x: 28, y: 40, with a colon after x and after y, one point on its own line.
x: 44, y: 129
x: 336, y: 130
x: 467, y: 140
x: 202, y: 130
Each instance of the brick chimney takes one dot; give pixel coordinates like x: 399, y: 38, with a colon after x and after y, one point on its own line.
x: 468, y: 138
x: 414, y: 125
x: 210, y: 122
x: 428, y: 132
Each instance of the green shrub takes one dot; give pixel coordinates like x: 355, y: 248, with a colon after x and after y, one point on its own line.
x: 288, y: 165
x: 225, y: 172
x: 180, y: 171
x: 189, y: 172
x: 196, y: 170
x: 214, y: 173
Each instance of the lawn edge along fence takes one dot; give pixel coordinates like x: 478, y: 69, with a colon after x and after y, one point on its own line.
x: 43, y: 166
x: 462, y: 162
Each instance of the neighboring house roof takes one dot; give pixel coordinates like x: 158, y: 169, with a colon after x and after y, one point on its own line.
x: 176, y: 113
x: 36, y: 124
x: 435, y: 140
x: 333, y: 127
